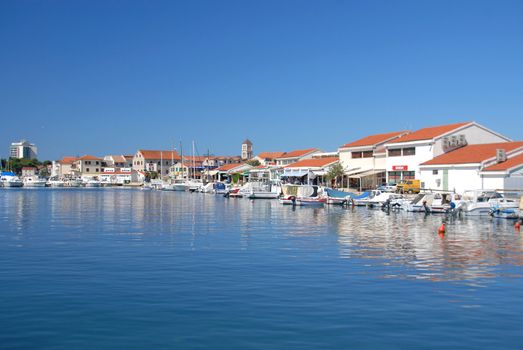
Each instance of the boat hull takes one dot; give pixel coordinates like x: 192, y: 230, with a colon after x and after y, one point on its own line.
x: 263, y: 195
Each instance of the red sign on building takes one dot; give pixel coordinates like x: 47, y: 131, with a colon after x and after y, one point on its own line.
x: 400, y: 167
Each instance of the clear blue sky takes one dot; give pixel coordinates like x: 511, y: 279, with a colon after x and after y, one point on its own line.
x: 101, y: 77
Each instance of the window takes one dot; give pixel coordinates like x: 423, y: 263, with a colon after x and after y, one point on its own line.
x: 97, y: 162
x: 408, y: 175
x: 409, y: 151
x: 394, y: 177
x: 434, y: 172
x: 368, y: 154
x: 96, y: 170
x: 86, y: 170
x: 395, y: 152
x: 356, y: 154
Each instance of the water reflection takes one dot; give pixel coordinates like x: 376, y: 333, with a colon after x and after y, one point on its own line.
x: 396, y: 245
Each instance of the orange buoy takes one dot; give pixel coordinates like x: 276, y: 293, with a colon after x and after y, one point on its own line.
x: 441, y: 229
x: 517, y: 225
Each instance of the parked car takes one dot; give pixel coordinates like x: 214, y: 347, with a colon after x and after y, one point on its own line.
x: 409, y: 186
x: 387, y: 188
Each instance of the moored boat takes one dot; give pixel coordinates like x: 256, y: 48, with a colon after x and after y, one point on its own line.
x: 34, y: 181
x: 9, y: 179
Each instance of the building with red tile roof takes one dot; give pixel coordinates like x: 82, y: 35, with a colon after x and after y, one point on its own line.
x: 375, y: 140
x: 158, y: 161
x: 406, y: 153
x: 314, y: 163
x: 364, y: 160
x: 473, y: 167
x: 430, y: 133
x: 296, y: 155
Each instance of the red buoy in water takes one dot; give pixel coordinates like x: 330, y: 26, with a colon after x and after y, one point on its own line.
x: 517, y: 225
x: 441, y: 229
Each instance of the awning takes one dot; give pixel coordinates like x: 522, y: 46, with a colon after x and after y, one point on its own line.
x: 294, y: 172
x: 367, y: 173
x: 354, y: 171
x: 213, y: 172
x: 319, y: 172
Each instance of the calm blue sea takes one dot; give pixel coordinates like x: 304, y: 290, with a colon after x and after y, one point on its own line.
x: 132, y: 269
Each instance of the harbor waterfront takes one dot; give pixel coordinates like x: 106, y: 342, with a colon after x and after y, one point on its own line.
x: 127, y: 268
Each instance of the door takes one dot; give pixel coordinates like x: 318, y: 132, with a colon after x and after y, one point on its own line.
x: 445, y: 180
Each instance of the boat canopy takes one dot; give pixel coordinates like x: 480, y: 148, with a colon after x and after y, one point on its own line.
x: 295, y: 172
x: 365, y: 173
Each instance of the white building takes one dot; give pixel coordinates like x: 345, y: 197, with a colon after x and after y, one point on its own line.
x: 119, y: 176
x: 23, y: 149
x: 88, y: 166
x: 476, y: 167
x: 406, y: 153
x: 364, y: 160
x: 155, y: 160
x: 268, y: 158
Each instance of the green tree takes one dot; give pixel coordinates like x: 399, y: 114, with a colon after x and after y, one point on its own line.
x: 254, y: 162
x: 335, y: 172
x: 16, y: 164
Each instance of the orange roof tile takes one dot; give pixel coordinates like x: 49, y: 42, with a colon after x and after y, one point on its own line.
x: 375, y: 139
x: 227, y: 167
x: 271, y: 155
x: 298, y: 153
x: 118, y: 158
x: 429, y: 133
x: 506, y: 165
x: 67, y: 160
x: 313, y: 162
x: 473, y: 153
x: 154, y: 154
x: 88, y: 157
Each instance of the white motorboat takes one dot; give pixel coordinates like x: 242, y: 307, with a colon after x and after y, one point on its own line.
x: 177, y: 185
x: 220, y: 188
x: 55, y: 181
x: 9, y: 179
x: 34, y: 181
x: 93, y: 183
x: 376, y: 198
x: 481, y: 202
x: 302, y: 195
x: 429, y: 202
x: 262, y: 190
x: 194, y: 185
x: 208, y: 188
x: 74, y: 183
